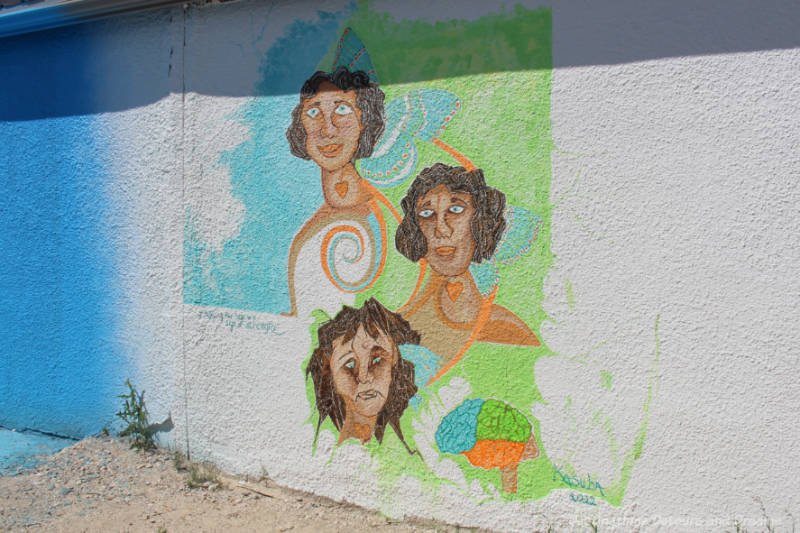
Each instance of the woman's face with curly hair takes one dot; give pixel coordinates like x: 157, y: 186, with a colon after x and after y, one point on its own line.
x: 332, y: 122
x: 362, y: 371
x: 444, y: 218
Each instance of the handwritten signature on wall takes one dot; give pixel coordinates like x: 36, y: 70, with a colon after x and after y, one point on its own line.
x: 578, y: 497
x: 240, y: 321
x: 586, y: 483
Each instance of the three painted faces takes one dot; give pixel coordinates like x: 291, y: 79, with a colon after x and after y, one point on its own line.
x: 444, y: 218
x: 362, y: 371
x: 332, y: 122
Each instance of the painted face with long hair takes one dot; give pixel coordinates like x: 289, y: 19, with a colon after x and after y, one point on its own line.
x: 362, y: 371
x: 358, y: 372
x: 451, y: 218
x: 332, y: 123
x: 339, y: 118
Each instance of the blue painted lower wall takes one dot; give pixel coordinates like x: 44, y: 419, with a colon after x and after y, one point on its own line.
x: 60, y: 368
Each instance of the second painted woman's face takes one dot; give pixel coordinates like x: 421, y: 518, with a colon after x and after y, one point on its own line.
x: 444, y: 218
x: 333, y: 126
x: 362, y: 371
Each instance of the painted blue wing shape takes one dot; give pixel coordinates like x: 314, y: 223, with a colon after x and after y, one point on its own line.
x: 486, y: 276
x: 522, y: 228
x: 420, y: 114
x: 424, y: 113
x: 351, y: 53
x: 426, y: 365
x: 393, y: 159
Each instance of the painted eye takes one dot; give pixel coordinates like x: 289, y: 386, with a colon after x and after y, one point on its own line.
x: 313, y: 112
x: 457, y: 209
x: 350, y: 364
x: 343, y: 109
x: 426, y: 213
x: 376, y: 359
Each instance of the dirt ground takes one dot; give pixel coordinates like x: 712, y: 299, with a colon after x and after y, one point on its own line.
x: 99, y: 484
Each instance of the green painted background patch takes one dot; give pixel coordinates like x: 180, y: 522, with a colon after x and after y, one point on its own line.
x: 606, y: 379
x: 500, y: 66
x: 570, y: 294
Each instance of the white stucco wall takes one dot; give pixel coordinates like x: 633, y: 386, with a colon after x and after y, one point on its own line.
x: 675, y: 231
x: 674, y: 185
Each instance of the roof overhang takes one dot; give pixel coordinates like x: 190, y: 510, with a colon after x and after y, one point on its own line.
x: 29, y: 17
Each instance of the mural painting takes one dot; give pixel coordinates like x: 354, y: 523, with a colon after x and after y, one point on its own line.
x: 370, y: 363
x: 402, y: 215
x: 361, y: 380
x: 490, y: 434
x: 337, y: 121
x: 461, y: 227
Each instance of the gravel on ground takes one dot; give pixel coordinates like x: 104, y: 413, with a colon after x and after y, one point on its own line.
x: 100, y: 484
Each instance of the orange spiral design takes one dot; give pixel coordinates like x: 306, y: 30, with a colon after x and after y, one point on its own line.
x: 353, y: 230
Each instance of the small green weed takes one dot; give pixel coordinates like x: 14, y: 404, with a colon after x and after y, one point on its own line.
x: 180, y: 462
x: 767, y: 520
x: 738, y: 527
x: 199, y: 474
x: 134, y: 415
x: 203, y: 475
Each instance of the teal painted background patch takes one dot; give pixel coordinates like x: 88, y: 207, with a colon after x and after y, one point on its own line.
x: 279, y: 191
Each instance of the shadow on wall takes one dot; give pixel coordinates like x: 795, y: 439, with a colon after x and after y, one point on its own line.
x: 54, y: 73
x: 112, y: 65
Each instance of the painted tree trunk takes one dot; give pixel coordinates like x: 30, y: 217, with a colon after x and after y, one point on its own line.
x: 508, y: 477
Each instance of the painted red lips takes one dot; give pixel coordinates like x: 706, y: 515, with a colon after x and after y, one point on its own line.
x: 446, y: 251
x: 331, y: 150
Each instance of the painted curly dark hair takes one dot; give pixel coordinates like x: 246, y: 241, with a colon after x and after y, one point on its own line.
x: 487, y: 224
x: 374, y: 317
x: 369, y: 99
